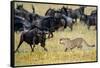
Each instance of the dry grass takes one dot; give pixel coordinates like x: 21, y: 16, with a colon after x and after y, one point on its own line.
x: 56, y: 52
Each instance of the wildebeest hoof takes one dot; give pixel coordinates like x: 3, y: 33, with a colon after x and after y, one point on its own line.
x: 32, y: 50
x: 46, y: 50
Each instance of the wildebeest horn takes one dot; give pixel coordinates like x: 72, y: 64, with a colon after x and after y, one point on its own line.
x: 33, y: 8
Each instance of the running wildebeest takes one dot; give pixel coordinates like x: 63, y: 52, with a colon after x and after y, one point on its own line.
x: 21, y: 24
x: 23, y: 18
x: 33, y: 37
x: 46, y: 23
x: 94, y: 13
x: 56, y: 14
x: 20, y: 11
x: 31, y: 18
x: 67, y: 21
x: 83, y: 19
x: 18, y: 23
x: 61, y: 17
x: 50, y: 12
x: 90, y: 20
x: 70, y: 22
x: 75, y: 14
x: 64, y: 10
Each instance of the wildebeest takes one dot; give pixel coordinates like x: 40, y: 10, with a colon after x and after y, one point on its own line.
x: 23, y: 18
x: 50, y: 12
x: 70, y: 22
x: 61, y: 17
x: 18, y: 23
x: 67, y: 21
x: 90, y: 20
x: 56, y: 14
x: 33, y: 37
x: 46, y: 23
x: 94, y: 13
x: 20, y: 11
x: 83, y: 18
x: 74, y: 14
x: 21, y: 24
x: 64, y: 10
x: 59, y: 21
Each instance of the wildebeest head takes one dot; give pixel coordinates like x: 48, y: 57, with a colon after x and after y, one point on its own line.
x: 41, y: 36
x: 50, y: 12
x: 81, y: 9
x: 57, y: 14
x: 64, y: 10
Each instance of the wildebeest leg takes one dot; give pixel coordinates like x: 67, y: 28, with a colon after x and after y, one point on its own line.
x: 31, y: 48
x: 33, y: 44
x: 88, y: 27
x: 95, y: 28
x: 43, y: 45
x: 50, y: 35
x: 21, y: 41
x: 70, y: 26
x: 75, y: 20
x: 65, y: 49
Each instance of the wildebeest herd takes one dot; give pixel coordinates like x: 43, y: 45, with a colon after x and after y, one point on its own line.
x: 35, y: 27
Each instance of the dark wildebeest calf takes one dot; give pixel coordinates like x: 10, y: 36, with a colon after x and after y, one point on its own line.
x: 33, y: 37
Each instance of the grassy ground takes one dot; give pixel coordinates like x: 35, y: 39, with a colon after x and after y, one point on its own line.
x: 56, y: 52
